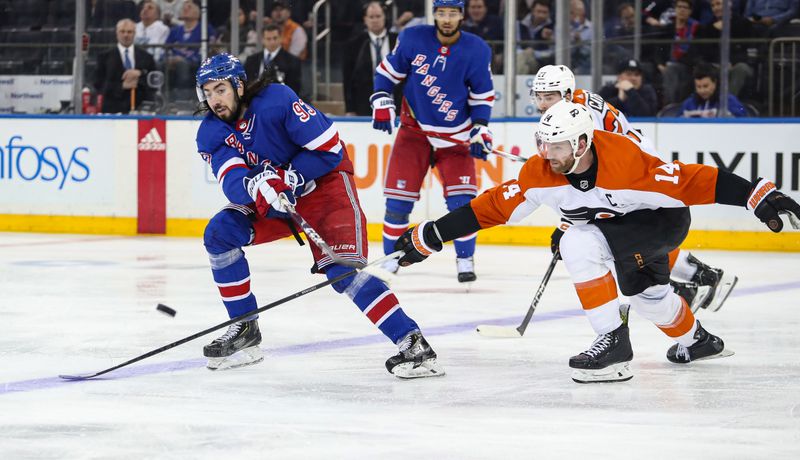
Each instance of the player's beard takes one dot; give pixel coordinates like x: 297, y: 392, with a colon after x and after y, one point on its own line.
x: 562, y: 167
x: 231, y: 114
x: 448, y: 34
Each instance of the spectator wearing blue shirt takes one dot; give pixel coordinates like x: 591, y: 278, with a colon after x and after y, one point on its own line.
x: 771, y: 13
x: 704, y: 103
x: 182, y: 62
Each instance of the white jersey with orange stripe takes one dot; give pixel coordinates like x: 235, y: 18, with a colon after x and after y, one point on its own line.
x: 626, y: 179
x: 608, y: 118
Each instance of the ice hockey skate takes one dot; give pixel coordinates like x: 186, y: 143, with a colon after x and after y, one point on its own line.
x: 720, y: 283
x: 236, y: 348
x: 416, y: 359
x: 466, y: 269
x: 607, y: 360
x: 707, y: 346
x: 694, y: 295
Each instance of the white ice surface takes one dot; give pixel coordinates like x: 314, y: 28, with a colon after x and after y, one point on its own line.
x: 72, y: 304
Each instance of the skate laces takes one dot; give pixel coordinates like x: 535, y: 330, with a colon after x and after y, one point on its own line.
x: 233, y: 329
x: 410, y: 345
x: 682, y: 352
x: 599, y: 345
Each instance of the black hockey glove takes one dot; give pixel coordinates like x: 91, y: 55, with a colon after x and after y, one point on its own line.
x: 768, y: 204
x: 555, y: 239
x: 418, y: 243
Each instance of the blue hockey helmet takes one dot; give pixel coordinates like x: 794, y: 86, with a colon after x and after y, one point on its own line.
x: 448, y: 4
x: 219, y: 67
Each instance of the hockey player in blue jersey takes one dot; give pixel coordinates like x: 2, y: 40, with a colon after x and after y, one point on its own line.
x: 448, y: 91
x: 263, y: 141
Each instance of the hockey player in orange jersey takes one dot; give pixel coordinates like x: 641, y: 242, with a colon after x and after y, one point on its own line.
x: 627, y: 207
x: 701, y: 285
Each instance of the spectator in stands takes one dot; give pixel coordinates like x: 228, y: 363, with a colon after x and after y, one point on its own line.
x: 122, y: 70
x: 740, y: 71
x: 364, y: 52
x: 629, y: 93
x: 248, y: 37
x: 293, y: 37
x: 171, y: 12
x: 676, y: 70
x: 151, y: 30
x: 409, y: 13
x: 580, y: 37
x: 284, y: 65
x: 182, y: 61
x: 767, y: 14
x: 538, y: 26
x: 479, y: 22
x: 623, y: 29
x: 704, y: 103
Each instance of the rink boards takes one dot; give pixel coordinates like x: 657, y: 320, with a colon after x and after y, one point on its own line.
x: 129, y: 175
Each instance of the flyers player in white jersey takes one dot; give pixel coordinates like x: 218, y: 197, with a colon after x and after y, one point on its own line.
x: 703, y: 286
x: 628, y: 208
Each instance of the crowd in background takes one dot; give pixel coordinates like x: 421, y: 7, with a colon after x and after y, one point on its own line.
x: 680, y: 45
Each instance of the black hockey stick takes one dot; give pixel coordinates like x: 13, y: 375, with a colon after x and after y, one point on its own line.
x: 489, y: 330
x: 230, y: 321
x: 312, y: 234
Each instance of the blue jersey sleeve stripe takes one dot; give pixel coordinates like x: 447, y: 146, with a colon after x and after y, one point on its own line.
x: 327, y: 141
x: 487, y: 95
x: 233, y: 162
x: 385, y: 68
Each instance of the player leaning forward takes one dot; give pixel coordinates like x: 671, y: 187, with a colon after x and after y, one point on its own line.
x: 628, y: 207
x: 701, y: 285
x: 448, y: 92
x: 262, y: 141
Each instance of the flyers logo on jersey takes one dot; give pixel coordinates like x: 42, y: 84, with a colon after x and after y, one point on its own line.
x: 589, y: 214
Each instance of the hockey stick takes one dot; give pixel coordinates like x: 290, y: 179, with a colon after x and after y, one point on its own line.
x: 448, y: 138
x: 489, y: 330
x: 312, y: 234
x: 230, y: 321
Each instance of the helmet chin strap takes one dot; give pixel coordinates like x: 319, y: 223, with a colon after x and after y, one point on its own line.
x: 575, y: 163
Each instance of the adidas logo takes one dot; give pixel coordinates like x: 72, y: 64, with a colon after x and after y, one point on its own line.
x: 152, y: 141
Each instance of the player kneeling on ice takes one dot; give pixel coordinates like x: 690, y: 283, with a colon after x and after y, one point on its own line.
x: 270, y: 150
x: 628, y: 207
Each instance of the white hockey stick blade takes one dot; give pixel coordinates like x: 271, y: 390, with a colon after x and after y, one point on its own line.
x: 490, y: 330
x: 383, y: 275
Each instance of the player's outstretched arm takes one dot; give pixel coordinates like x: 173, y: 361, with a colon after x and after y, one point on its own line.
x: 426, y: 238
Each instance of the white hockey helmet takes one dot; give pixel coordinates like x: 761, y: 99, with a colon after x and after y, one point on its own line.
x: 565, y: 121
x: 554, y: 78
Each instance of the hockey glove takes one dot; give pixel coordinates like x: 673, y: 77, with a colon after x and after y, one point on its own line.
x: 383, y: 111
x: 555, y: 238
x: 480, y: 141
x: 768, y: 203
x: 264, y: 183
x: 418, y: 243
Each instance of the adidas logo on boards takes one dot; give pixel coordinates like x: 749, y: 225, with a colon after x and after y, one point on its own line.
x: 152, y: 141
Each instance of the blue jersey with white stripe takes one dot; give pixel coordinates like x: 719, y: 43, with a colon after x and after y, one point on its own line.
x: 278, y: 127
x: 446, y: 87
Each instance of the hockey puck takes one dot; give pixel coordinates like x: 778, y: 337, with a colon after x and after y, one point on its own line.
x: 165, y: 309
